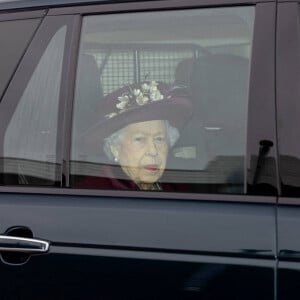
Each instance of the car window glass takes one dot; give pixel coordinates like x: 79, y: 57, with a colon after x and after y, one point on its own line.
x: 161, y: 102
x: 30, y: 138
x: 13, y: 46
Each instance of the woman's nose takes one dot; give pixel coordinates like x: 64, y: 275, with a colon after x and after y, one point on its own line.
x: 152, y: 150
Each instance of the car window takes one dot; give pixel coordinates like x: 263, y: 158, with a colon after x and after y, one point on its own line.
x: 13, y: 46
x: 29, y: 138
x: 161, y: 102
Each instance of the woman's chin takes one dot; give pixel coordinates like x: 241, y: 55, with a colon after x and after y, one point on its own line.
x: 144, y: 175
x: 149, y: 179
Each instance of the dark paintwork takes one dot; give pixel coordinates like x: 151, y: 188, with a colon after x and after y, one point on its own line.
x: 261, y: 104
x: 288, y: 94
x: 90, y: 277
x: 141, y: 223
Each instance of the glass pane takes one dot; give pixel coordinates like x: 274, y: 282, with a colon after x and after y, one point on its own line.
x: 30, y: 137
x: 13, y: 46
x: 161, y: 102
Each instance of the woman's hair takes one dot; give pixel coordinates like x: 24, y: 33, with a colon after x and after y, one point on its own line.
x: 114, y: 139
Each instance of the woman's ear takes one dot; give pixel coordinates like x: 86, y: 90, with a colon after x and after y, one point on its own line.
x: 115, y: 152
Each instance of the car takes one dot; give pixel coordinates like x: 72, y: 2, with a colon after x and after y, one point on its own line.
x: 213, y: 213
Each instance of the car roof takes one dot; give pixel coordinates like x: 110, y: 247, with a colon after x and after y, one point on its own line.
x: 21, y: 4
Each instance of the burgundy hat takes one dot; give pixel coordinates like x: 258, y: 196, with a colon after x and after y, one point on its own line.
x: 139, y: 102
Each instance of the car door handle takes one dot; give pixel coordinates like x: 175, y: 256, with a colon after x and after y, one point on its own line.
x: 25, y: 245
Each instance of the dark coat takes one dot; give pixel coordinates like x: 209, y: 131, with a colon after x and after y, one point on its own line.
x: 115, y: 179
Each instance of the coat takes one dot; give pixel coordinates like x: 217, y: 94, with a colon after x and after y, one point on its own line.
x: 115, y: 179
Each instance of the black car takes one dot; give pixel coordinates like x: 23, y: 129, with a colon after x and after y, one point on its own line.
x: 208, y: 210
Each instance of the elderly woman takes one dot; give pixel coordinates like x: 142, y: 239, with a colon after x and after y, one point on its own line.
x: 140, y: 124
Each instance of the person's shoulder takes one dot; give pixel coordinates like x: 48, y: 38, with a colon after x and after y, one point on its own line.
x: 94, y: 182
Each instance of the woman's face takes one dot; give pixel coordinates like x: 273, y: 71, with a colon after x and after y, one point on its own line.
x: 142, y: 152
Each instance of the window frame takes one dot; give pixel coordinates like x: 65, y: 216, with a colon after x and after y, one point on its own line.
x: 288, y: 93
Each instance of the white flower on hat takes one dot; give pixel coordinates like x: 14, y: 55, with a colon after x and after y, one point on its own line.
x: 145, y: 87
x: 155, y: 94
x: 141, y: 99
x: 136, y: 92
x: 153, y: 84
x: 121, y: 105
x: 140, y: 96
x: 111, y: 115
x: 123, y: 98
x: 123, y: 101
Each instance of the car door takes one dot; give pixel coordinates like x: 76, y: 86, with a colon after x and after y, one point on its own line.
x: 288, y: 108
x: 212, y: 235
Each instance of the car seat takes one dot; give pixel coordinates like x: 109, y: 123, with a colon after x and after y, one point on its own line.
x: 216, y: 134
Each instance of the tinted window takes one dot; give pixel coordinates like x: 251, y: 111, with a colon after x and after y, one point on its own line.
x: 14, y: 37
x: 29, y: 139
x: 189, y: 68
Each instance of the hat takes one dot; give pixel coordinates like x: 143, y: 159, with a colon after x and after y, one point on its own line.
x: 139, y: 102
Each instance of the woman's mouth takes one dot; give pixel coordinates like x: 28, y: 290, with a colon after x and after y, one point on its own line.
x: 151, y: 167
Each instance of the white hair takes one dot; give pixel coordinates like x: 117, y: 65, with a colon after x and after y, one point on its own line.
x: 114, y: 139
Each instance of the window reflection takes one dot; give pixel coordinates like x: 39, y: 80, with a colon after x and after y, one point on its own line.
x: 204, y: 55
x: 30, y: 137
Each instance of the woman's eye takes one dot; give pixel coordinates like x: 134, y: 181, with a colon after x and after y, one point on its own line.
x: 139, y: 139
x: 160, y: 139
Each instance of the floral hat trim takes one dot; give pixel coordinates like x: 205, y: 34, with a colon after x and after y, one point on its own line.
x: 146, y: 93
